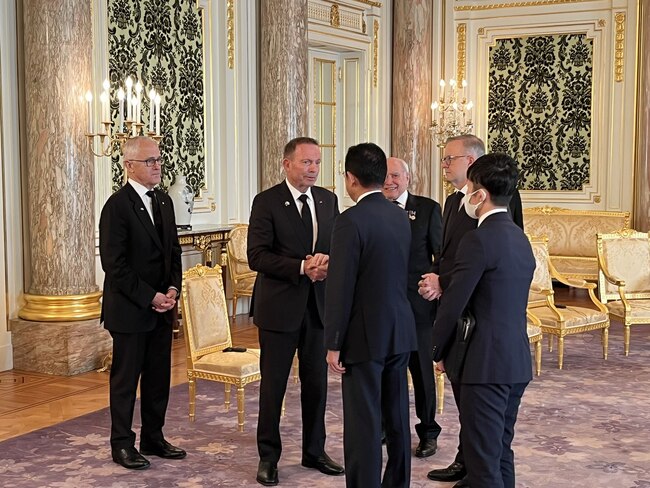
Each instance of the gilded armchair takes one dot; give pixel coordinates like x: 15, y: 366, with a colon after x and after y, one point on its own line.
x: 241, y: 276
x: 624, y: 278
x: 207, y: 334
x: 557, y: 319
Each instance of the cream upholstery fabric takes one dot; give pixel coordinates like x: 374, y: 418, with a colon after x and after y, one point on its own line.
x: 243, y: 279
x: 562, y: 321
x: 624, y: 277
x: 230, y: 363
x: 572, y: 236
x: 207, y: 332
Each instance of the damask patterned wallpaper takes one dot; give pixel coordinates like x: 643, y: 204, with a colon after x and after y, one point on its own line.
x: 540, y: 108
x: 160, y: 43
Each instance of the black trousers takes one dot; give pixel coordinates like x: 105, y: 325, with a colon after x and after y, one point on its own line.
x: 488, y: 415
x: 366, y: 385
x: 146, y: 357
x: 276, y: 358
x: 424, y: 391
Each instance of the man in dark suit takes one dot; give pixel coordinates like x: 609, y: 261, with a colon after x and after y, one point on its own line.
x: 288, y: 245
x: 460, y: 153
x: 491, y: 278
x: 425, y: 218
x: 141, y: 258
x: 369, y: 324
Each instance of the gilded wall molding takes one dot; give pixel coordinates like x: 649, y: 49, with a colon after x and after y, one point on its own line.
x: 336, y: 16
x: 230, y: 32
x: 375, y: 53
x: 530, y: 3
x: 371, y: 3
x: 619, y: 47
x: 461, y: 45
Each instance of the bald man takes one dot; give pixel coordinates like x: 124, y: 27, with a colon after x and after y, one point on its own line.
x: 425, y: 218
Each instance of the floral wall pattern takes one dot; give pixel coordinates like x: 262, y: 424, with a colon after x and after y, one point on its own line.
x: 160, y: 43
x: 540, y: 91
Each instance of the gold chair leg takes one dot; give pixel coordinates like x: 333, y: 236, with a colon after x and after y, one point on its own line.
x: 605, y: 339
x: 295, y: 369
x: 240, y: 408
x: 234, y: 306
x: 192, y: 384
x: 626, y: 339
x: 284, y: 401
x: 226, y: 397
x: 560, y: 352
x: 409, y: 380
x: 440, y: 391
x: 550, y: 343
x: 538, y: 357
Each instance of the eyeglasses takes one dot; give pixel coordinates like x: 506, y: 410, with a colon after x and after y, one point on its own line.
x: 149, y: 161
x: 448, y: 159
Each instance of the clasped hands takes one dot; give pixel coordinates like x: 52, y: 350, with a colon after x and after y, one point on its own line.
x: 162, y: 303
x: 316, y: 266
x: 429, y: 286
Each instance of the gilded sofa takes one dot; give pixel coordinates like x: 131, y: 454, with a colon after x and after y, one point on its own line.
x: 572, y: 236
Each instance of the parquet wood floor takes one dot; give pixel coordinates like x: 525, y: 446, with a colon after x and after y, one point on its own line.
x: 31, y: 401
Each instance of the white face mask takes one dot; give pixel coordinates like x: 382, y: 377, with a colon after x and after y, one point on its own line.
x: 469, y: 208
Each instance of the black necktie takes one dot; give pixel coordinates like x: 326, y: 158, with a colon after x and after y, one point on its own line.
x: 155, y: 210
x: 397, y: 203
x: 305, y: 214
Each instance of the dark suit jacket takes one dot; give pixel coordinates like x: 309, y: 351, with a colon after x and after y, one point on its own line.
x: 455, y: 224
x: 368, y: 315
x: 135, y: 261
x: 425, y: 217
x: 277, y: 243
x: 492, y: 276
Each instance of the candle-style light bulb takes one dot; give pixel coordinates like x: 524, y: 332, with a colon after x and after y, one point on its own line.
x: 120, y: 98
x: 129, y: 106
x: 441, y: 92
x: 157, y: 114
x: 106, y: 85
x: 89, y: 99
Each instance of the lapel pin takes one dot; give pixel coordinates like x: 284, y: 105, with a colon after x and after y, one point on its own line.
x: 411, y: 214
x: 286, y: 204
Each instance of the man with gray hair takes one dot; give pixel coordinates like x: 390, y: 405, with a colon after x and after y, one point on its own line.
x: 425, y: 218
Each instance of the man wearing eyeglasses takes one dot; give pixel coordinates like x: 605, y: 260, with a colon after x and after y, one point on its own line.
x: 459, y: 154
x: 141, y: 258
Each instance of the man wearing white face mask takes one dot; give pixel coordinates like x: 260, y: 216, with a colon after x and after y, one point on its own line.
x: 460, y: 153
x: 491, y: 278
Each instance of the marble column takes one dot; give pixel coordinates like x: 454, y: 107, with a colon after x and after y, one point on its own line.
x: 283, y: 90
x: 412, y: 68
x: 642, y: 180
x: 59, y: 331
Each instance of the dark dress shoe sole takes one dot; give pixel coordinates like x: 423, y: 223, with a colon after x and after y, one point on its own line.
x: 132, y: 466
x: 165, y: 455
x: 446, y: 477
x: 324, y: 468
x: 266, y: 483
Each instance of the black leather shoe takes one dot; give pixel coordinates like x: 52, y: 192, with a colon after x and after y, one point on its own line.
x: 130, y: 458
x: 162, y: 449
x: 267, y: 473
x: 426, y: 448
x: 453, y: 472
x: 464, y: 483
x: 324, y: 464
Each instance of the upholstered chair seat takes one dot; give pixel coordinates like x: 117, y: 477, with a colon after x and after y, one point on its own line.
x: 560, y: 320
x: 207, y: 339
x: 624, y: 278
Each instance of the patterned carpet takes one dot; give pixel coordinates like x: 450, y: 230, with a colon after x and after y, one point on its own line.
x: 585, y: 426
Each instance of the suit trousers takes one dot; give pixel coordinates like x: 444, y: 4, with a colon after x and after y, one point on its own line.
x: 144, y: 356
x: 277, y: 352
x: 366, y: 385
x: 455, y: 388
x: 421, y: 368
x: 488, y: 415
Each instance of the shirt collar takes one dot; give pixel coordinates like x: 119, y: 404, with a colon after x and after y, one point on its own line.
x: 491, y: 212
x: 139, y: 188
x: 295, y: 193
x: 402, y: 198
x: 364, y: 195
